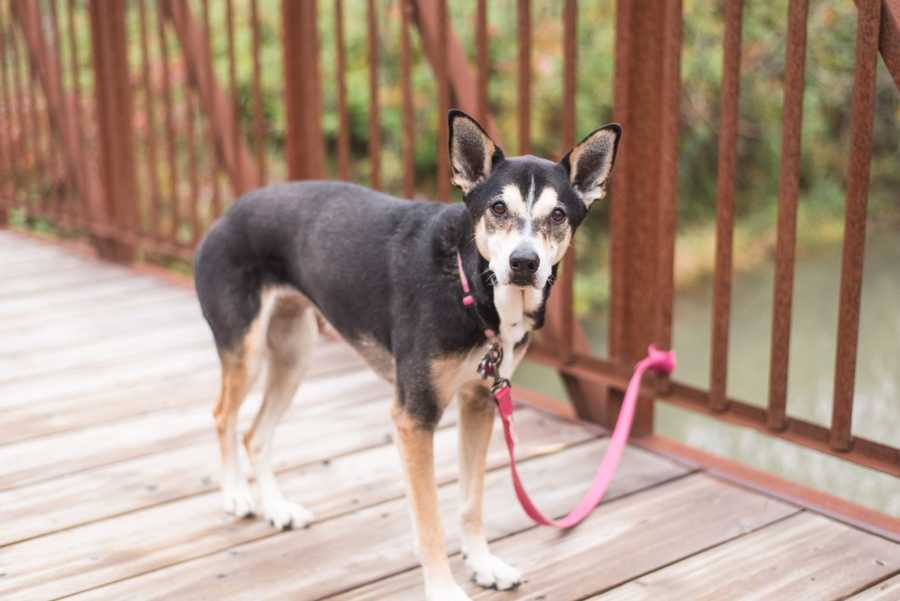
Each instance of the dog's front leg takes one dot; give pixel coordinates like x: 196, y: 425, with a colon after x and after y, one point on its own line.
x: 416, y: 445
x: 476, y: 422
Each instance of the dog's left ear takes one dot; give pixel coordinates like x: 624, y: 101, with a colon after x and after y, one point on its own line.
x: 473, y: 155
x: 591, y: 161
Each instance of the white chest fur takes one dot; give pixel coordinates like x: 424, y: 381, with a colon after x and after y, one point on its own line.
x: 513, y: 306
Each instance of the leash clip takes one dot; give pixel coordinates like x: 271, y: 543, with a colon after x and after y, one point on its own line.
x: 490, y: 363
x: 502, y: 393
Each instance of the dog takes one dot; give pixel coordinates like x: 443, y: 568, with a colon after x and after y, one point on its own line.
x: 385, y: 274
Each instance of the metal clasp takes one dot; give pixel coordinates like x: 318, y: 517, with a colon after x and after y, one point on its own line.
x: 489, y: 367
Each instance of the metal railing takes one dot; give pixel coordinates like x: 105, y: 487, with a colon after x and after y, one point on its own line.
x: 74, y: 153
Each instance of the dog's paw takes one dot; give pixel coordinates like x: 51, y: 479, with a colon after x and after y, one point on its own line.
x: 285, y: 515
x: 239, y: 501
x: 490, y: 571
x: 449, y: 593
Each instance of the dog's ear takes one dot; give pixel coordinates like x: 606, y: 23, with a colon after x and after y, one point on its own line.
x: 472, y: 152
x: 591, y: 161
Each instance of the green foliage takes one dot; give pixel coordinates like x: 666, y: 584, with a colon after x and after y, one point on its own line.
x: 826, y: 126
x: 826, y: 117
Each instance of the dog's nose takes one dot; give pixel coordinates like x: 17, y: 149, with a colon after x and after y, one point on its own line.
x: 524, y: 261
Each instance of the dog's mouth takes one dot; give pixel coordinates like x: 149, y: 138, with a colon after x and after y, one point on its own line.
x: 523, y: 280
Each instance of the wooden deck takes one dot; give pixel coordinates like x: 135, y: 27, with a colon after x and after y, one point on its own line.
x: 108, y: 484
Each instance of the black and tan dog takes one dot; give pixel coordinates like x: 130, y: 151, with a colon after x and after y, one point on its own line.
x: 383, y: 272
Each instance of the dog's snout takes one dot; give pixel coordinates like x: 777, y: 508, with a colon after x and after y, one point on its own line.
x: 524, y: 261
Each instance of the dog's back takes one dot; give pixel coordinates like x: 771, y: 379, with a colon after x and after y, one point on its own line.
x: 352, y: 252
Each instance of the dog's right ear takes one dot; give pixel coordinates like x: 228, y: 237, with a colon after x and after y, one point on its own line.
x: 473, y: 155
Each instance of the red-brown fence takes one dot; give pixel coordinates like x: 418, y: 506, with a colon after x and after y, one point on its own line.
x: 129, y: 134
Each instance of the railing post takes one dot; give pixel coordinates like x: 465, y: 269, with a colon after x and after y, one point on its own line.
x: 647, y: 84
x: 218, y: 105
x: 302, y: 89
x: 63, y: 114
x: 858, y: 169
x: 451, y: 56
x: 112, y: 90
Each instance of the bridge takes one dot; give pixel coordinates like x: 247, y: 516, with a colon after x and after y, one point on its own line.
x: 126, y: 128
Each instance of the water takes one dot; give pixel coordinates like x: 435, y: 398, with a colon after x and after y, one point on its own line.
x: 813, y: 341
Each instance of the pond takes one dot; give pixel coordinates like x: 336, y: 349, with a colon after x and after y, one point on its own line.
x: 813, y: 341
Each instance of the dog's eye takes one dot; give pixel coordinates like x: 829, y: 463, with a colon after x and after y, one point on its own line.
x: 558, y: 215
x: 499, y: 208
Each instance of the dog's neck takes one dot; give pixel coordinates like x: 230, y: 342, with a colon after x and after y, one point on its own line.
x: 481, y: 281
x: 511, y: 311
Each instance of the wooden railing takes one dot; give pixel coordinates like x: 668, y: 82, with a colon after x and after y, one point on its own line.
x: 144, y: 184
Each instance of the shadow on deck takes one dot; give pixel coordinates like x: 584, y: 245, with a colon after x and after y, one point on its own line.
x: 108, y: 488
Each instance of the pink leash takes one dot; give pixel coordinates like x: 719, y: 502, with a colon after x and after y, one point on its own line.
x: 659, y: 361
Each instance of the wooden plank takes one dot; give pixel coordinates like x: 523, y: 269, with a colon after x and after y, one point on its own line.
x: 83, y: 411
x: 28, y: 261
x: 44, y: 458
x: 820, y: 502
x: 42, y: 330
x: 86, y: 357
x: 804, y: 557
x: 309, y: 433
x: 26, y: 258
x: 334, y: 454
x: 136, y: 484
x: 114, y: 374
x: 13, y: 327
x: 172, y: 533
x: 650, y: 529
x: 54, y: 332
x: 889, y: 590
x: 59, y: 415
x: 11, y: 309
x: 375, y: 541
x: 81, y: 273
x: 179, y: 358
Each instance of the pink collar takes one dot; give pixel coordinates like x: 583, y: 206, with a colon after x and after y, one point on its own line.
x: 468, y: 300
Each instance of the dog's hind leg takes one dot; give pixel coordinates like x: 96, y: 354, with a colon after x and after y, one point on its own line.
x: 476, y: 422
x: 291, y: 333
x: 238, y: 373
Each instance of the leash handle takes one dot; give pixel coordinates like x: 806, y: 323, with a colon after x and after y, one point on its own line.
x: 660, y: 361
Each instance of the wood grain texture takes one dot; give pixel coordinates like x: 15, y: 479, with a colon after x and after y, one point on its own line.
x: 39, y: 459
x: 146, y: 481
x: 889, y: 590
x: 109, y: 477
x: 362, y: 546
x: 80, y: 313
x: 101, y: 292
x: 59, y: 280
x: 140, y: 397
x: 804, y: 557
x: 618, y: 542
x: 172, y: 533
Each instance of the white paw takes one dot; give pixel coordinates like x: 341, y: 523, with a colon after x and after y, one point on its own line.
x: 490, y: 571
x: 239, y: 501
x: 448, y: 593
x: 285, y: 515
